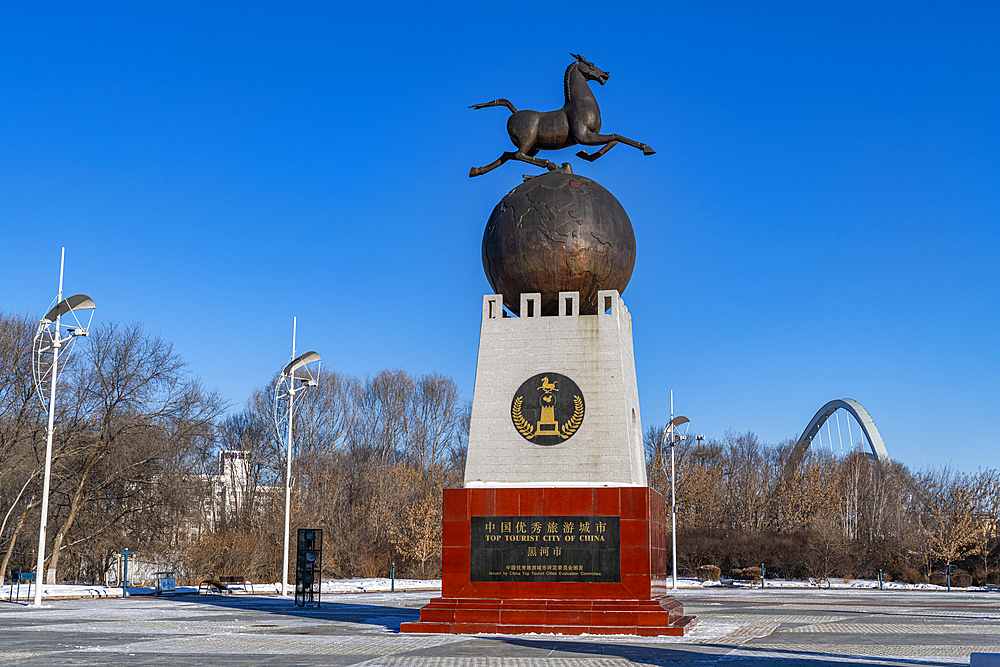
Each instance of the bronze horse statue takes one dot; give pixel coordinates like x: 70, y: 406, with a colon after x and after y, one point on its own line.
x: 578, y: 122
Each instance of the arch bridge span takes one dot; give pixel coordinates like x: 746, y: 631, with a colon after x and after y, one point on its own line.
x: 864, y: 419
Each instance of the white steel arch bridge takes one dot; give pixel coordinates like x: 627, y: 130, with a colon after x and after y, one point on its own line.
x: 865, y: 421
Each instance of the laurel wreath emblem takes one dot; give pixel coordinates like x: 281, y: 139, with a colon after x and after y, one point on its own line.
x: 520, y: 423
x: 573, y: 423
x: 555, y: 424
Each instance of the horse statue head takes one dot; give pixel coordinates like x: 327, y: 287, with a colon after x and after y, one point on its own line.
x: 590, y: 71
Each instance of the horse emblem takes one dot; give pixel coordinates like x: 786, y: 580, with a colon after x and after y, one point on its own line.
x: 539, y: 417
x: 577, y: 122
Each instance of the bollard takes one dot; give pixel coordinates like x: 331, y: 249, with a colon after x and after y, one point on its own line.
x: 393, y: 590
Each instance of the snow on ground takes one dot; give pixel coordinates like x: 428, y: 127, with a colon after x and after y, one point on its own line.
x: 835, y: 582
x: 384, y: 584
x: 379, y: 585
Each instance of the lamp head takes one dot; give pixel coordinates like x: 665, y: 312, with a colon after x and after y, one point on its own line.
x: 300, y: 361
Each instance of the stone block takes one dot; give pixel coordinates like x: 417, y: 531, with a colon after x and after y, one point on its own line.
x: 595, y: 353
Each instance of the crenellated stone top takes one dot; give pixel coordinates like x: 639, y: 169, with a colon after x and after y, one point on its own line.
x: 612, y: 309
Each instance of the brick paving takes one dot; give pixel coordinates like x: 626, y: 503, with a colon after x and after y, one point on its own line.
x: 739, y: 627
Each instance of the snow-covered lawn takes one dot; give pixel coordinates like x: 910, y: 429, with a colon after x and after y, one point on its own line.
x: 835, y: 582
x: 384, y: 584
x: 8, y: 592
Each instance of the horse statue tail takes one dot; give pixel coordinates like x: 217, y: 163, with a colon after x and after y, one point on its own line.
x: 496, y: 103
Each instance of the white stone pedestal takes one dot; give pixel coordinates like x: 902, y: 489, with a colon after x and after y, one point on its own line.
x: 595, y: 352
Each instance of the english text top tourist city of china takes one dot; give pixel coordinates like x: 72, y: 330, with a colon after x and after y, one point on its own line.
x: 545, y: 548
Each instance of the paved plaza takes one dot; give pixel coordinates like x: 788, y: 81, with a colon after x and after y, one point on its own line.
x: 746, y: 627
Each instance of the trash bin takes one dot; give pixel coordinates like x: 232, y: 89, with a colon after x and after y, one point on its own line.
x: 165, y: 583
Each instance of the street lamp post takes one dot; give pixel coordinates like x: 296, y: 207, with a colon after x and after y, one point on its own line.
x: 290, y: 382
x: 674, y: 438
x: 48, y: 340
x: 673, y: 514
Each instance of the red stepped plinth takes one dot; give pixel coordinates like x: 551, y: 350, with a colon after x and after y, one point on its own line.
x: 628, y: 599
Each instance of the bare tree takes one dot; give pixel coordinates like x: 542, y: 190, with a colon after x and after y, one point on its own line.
x: 21, y: 429
x: 384, y: 414
x: 750, y: 480
x: 950, y: 525
x: 437, y: 420
x: 986, y: 489
x: 828, y: 547
x: 416, y: 533
x: 370, y: 460
x: 241, y: 440
x: 139, y: 402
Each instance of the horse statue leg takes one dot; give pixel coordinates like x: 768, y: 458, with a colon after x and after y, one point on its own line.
x: 511, y: 155
x: 590, y: 157
x: 609, y: 141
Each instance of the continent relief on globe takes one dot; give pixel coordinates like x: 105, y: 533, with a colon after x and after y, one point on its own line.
x: 556, y: 233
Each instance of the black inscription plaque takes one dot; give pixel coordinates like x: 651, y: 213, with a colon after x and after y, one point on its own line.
x: 545, y: 548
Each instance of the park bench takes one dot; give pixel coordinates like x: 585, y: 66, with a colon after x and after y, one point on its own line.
x: 213, y: 586
x: 749, y: 575
x: 225, y: 585
x: 238, y: 581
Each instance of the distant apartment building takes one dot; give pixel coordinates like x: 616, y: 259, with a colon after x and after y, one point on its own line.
x: 233, y: 497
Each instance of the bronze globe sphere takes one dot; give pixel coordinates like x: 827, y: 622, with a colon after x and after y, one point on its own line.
x: 554, y: 233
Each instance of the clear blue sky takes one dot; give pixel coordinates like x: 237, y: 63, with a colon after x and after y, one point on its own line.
x: 820, y: 220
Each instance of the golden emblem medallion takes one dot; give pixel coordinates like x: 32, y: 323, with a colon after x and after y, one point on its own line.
x: 547, y: 409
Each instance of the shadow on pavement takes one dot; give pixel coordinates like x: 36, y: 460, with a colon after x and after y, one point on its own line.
x: 367, y: 614
x: 658, y: 655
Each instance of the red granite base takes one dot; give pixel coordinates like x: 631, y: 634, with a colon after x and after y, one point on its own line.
x: 636, y: 603
x: 646, y: 618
